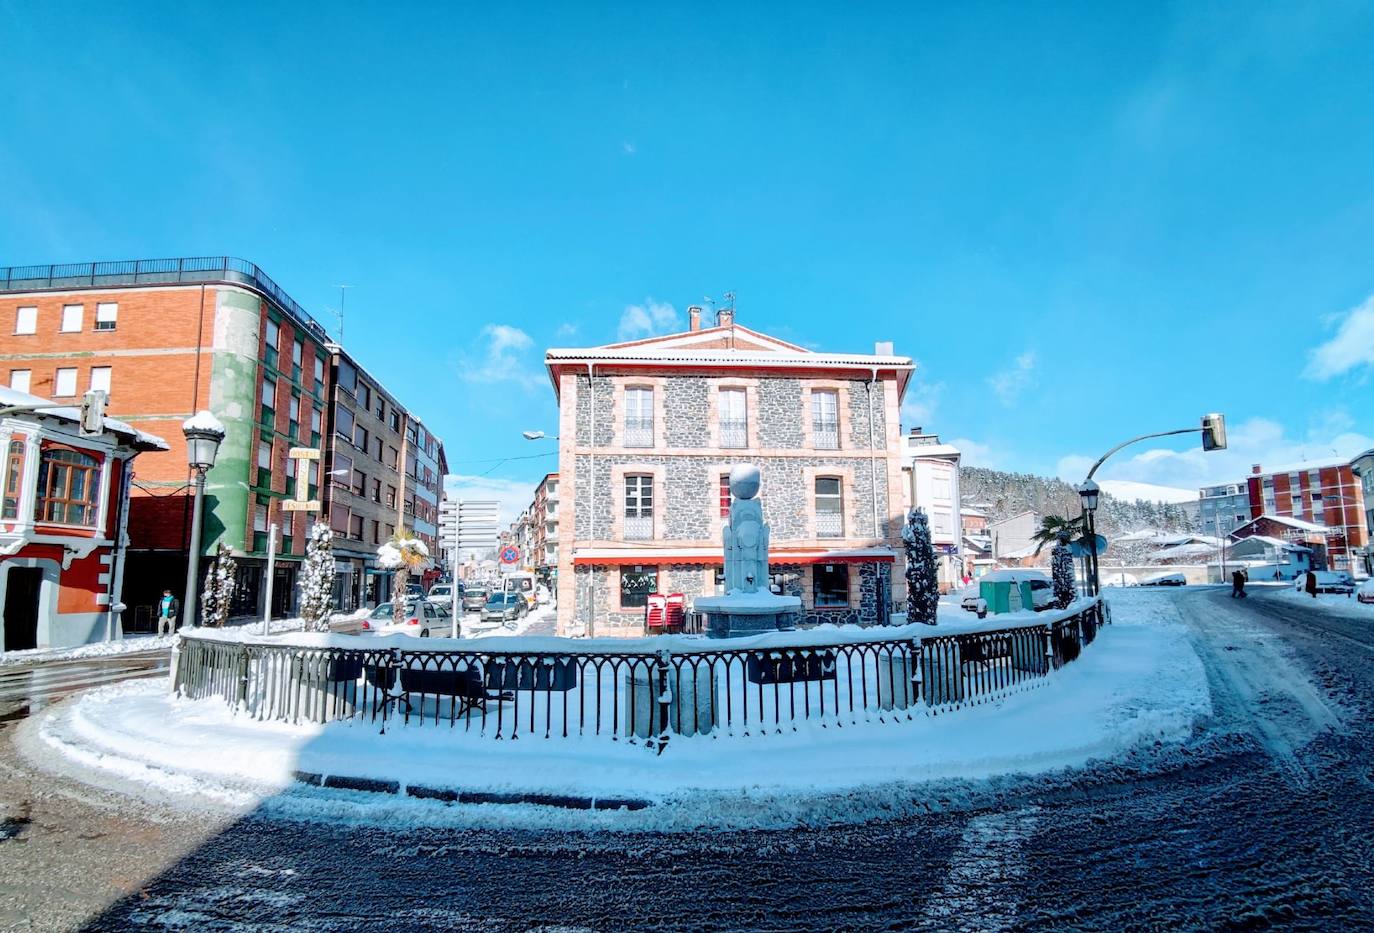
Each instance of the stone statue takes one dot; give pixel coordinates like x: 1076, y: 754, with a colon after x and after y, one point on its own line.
x: 746, y: 536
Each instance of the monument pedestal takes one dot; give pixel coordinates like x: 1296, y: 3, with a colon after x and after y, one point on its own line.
x: 740, y: 614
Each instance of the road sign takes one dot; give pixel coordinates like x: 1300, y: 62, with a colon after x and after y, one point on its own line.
x: 302, y: 455
x: 510, y: 554
x: 300, y: 505
x: 1079, y: 548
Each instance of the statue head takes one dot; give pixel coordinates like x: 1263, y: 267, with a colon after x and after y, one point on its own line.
x: 744, y: 481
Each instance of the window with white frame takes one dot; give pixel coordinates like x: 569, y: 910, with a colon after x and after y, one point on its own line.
x: 260, y: 518
x: 829, y: 507
x: 297, y: 349
x: 64, y: 382
x: 269, y: 393
x: 825, y: 419
x: 71, y: 318
x: 639, y: 417
x: 21, y: 379
x: 68, y: 486
x: 271, y: 335
x: 734, y: 419
x: 106, y: 315
x: 26, y: 320
x: 100, y: 379
x: 639, y: 507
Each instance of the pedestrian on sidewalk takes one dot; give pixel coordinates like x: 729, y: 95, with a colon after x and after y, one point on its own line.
x: 168, y: 608
x: 1311, y: 586
x: 1238, y: 584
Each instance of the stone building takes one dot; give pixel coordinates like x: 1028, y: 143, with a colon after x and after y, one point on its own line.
x: 649, y: 430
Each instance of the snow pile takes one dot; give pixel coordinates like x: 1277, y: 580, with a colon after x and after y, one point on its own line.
x: 130, y: 643
x: 203, y: 421
x: 1140, y: 682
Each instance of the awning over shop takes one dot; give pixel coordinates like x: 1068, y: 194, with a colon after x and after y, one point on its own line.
x: 713, y: 556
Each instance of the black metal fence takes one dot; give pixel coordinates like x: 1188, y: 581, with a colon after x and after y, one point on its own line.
x: 634, y: 695
x: 153, y: 271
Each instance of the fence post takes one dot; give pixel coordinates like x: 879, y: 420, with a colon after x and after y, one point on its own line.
x: 243, y: 676
x: 1049, y: 649
x: 664, y: 698
x: 916, y: 684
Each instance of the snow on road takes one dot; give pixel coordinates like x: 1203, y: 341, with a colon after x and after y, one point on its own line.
x: 1140, y: 682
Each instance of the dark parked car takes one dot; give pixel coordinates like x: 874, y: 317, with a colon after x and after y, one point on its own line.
x: 1167, y: 579
x: 504, y: 607
x: 475, y: 599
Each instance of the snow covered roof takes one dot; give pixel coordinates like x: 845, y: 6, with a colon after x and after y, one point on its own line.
x: 1027, y: 551
x: 1012, y: 576
x: 969, y: 510
x: 1184, y: 550
x: 1268, y: 541
x: 1297, y: 523
x: 203, y: 420
x: 140, y: 440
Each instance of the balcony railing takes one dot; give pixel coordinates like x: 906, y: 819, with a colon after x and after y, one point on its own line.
x: 734, y: 434
x: 639, y: 527
x: 829, y: 525
x: 639, y: 432
x: 151, y: 271
x: 827, y: 436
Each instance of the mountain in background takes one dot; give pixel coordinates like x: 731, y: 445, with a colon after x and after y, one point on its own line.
x: 1003, y: 495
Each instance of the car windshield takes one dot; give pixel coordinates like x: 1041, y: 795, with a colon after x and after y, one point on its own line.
x: 497, y: 599
x: 383, y: 611
x: 439, y: 591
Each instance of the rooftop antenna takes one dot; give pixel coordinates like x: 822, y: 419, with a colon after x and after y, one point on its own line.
x: 340, y: 313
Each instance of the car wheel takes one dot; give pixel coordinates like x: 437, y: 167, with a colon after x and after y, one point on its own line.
x: 424, y: 633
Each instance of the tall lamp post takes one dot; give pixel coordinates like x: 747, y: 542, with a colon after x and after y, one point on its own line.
x: 204, y: 433
x: 1089, y: 493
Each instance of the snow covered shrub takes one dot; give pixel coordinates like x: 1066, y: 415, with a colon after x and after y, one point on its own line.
x: 922, y: 575
x: 317, y: 579
x: 405, y: 554
x: 218, y: 592
x: 1061, y: 563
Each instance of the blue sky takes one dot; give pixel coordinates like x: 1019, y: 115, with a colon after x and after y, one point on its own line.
x: 1083, y: 222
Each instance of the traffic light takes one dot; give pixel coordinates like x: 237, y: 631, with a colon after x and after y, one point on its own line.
x: 1214, y: 432
x: 93, y: 413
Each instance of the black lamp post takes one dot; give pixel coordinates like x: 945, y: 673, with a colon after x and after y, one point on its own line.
x: 1089, y: 493
x: 204, y: 434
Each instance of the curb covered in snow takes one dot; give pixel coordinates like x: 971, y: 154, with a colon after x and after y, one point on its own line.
x: 453, y: 795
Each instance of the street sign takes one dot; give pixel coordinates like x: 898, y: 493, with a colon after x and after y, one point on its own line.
x: 1079, y: 548
x: 300, y: 505
x: 303, y: 453
x: 510, y: 554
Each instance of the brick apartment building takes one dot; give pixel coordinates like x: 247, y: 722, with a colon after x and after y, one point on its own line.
x: 1322, y: 494
x: 166, y: 338
x: 648, y: 433
x: 544, y: 521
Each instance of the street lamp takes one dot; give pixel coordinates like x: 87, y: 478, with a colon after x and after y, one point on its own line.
x: 204, y: 433
x: 1089, y: 493
x: 537, y: 436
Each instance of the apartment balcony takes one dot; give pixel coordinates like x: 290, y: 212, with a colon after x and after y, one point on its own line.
x: 829, y: 525
x: 639, y: 528
x: 639, y: 432
x: 734, y: 434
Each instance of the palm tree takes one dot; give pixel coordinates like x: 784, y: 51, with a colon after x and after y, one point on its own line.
x: 1054, y: 529
x: 405, y: 554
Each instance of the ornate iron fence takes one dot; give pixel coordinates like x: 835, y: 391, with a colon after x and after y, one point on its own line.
x: 644, y: 695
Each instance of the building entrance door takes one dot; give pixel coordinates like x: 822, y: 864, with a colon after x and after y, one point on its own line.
x: 21, y: 608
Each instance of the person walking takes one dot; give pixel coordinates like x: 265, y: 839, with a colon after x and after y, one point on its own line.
x: 1238, y: 584
x: 168, y: 608
x: 1311, y: 586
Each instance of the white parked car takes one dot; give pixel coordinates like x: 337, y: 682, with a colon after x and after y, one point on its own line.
x: 441, y: 594
x: 421, y: 619
x: 1365, y: 593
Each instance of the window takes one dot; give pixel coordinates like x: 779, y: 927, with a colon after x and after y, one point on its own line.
x: 355, y: 527
x: 26, y: 321
x: 639, y: 507
x: 360, y: 437
x: 338, y: 519
x: 395, y: 421
x: 297, y: 353
x: 106, y: 315
x: 100, y: 379
x: 364, y: 396
x: 359, y: 483
x: 264, y: 455
x: 392, y: 457
x: 314, y: 421
x: 293, y: 408
x: 269, y: 393
x: 71, y: 318
x: 378, y: 442
x: 636, y: 583
x: 639, y: 417
x: 391, y: 497
x: 20, y: 379
x: 68, y: 483
x: 825, y: 419
x: 734, y: 423
x: 343, y: 422
x: 319, y: 372
x: 376, y: 532
x: 343, y: 469
x: 376, y: 490
x: 381, y: 408
x: 725, y: 495
x: 65, y: 382
x: 830, y: 585
x: 260, y: 518
x: 829, y: 507
x: 14, y: 481
x: 347, y: 377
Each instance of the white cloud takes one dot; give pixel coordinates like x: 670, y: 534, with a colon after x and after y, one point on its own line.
x: 1257, y: 440
x: 1351, y: 347
x: 647, y: 320
x: 974, y: 453
x: 922, y: 398
x: 505, y: 358
x: 566, y: 329
x: 1009, y: 384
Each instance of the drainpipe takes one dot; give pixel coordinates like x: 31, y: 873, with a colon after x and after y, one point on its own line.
x: 114, y: 621
x: 872, y: 466
x: 591, y: 494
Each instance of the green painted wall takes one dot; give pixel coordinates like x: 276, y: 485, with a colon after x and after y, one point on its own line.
x: 234, y: 378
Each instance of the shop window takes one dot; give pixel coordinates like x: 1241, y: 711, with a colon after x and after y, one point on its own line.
x: 636, y: 584
x: 830, y: 586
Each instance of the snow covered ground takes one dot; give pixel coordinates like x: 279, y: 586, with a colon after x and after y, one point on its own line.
x: 1140, y: 682
x: 129, y: 643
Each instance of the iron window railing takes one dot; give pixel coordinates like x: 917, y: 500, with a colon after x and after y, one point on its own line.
x: 829, y: 525
x: 826, y: 435
x: 639, y: 432
x: 639, y: 527
x: 734, y: 433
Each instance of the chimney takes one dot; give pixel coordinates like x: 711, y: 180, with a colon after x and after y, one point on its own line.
x: 916, y: 431
x: 725, y: 317
x: 694, y: 317
x: 1255, y: 470
x: 882, y: 348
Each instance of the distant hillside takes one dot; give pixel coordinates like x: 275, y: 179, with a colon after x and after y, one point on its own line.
x: 1007, y: 494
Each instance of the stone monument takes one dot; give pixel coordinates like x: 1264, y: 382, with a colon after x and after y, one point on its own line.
x: 747, y: 607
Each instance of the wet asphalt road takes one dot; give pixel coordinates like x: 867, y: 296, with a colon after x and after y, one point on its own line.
x: 1263, y: 821
x: 27, y: 688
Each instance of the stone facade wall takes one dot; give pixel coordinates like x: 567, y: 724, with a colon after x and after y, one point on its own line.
x: 780, y: 414
x: 688, y: 408
x: 604, y: 421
